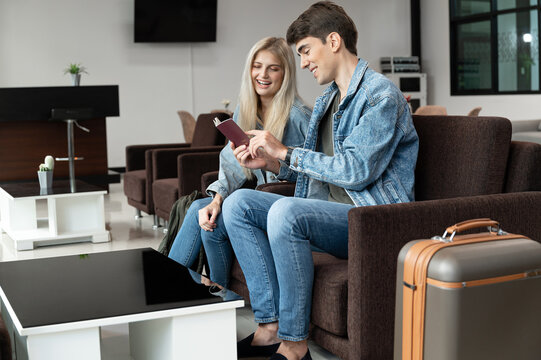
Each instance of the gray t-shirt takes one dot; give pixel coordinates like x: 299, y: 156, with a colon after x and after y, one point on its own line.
x: 336, y: 193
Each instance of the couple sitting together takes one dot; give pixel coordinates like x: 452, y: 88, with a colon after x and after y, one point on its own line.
x: 357, y: 147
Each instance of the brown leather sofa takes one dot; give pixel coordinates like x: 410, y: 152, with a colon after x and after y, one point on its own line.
x: 467, y: 168
x: 139, y: 161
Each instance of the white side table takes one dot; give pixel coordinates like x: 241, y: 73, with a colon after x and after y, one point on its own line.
x: 71, y: 216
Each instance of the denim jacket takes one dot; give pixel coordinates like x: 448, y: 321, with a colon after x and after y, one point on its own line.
x: 231, y: 177
x: 375, y: 144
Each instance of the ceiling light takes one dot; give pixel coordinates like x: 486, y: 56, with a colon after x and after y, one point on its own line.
x: 527, y: 38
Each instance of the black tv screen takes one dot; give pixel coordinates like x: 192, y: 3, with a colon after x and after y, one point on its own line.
x: 175, y: 20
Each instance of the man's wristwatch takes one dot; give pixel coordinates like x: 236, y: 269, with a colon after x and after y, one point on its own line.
x: 287, y: 160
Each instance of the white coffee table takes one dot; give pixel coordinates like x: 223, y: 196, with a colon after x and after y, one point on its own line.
x: 71, y: 216
x: 54, y: 307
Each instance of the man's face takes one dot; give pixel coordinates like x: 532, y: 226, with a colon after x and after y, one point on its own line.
x: 317, y: 57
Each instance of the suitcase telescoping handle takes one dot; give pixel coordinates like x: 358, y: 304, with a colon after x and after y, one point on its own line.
x: 471, y: 224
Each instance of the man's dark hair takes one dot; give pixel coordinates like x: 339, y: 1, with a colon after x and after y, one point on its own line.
x: 321, y: 19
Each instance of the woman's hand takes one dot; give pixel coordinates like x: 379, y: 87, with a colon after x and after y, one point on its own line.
x: 263, y: 152
x: 208, y: 214
x: 246, y: 160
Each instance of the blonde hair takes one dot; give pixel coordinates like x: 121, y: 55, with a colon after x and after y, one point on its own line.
x: 277, y: 114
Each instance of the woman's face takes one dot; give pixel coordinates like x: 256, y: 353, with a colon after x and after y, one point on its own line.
x: 267, y: 74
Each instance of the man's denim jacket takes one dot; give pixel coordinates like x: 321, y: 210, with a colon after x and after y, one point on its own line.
x: 375, y: 144
x: 231, y: 177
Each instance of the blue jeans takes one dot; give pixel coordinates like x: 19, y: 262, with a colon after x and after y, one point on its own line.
x: 272, y: 237
x: 190, y: 238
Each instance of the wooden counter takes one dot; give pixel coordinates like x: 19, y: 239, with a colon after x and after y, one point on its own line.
x: 27, y: 133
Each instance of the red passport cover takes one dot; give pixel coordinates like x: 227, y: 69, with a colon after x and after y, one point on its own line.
x: 232, y: 131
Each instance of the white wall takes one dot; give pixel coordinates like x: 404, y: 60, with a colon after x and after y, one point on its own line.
x: 436, y: 63
x: 39, y: 38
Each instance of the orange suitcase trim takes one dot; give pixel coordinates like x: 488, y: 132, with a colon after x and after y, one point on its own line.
x: 488, y: 281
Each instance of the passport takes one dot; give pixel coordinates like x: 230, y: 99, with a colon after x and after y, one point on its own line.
x: 232, y: 131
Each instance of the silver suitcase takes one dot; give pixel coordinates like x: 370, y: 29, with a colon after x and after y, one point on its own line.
x: 475, y: 296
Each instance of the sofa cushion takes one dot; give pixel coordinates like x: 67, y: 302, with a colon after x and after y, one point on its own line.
x: 330, y: 294
x: 165, y: 193
x: 460, y: 156
x: 134, y: 185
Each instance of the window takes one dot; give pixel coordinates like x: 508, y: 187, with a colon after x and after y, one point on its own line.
x: 494, y: 47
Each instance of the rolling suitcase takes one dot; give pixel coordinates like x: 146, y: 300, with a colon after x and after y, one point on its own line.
x: 475, y: 296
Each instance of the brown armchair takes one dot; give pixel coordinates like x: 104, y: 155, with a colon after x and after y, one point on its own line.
x: 196, y: 171
x: 465, y: 165
x: 139, y: 161
x: 170, y: 183
x: 137, y: 178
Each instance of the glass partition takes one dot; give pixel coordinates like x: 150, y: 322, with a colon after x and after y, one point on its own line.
x: 473, y: 56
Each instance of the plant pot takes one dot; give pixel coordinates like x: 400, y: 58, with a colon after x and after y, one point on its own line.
x: 76, y: 78
x: 45, y: 179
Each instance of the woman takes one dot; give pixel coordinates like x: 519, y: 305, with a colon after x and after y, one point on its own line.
x: 268, y: 100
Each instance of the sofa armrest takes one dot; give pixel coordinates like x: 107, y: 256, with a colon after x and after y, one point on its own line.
x: 135, y: 154
x: 523, y: 167
x: 283, y: 188
x: 164, y: 161
x: 212, y: 176
x: 376, y: 235
x: 191, y: 166
x: 207, y: 179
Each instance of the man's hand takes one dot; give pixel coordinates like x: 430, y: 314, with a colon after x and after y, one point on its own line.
x: 264, y: 140
x: 208, y: 214
x: 263, y: 152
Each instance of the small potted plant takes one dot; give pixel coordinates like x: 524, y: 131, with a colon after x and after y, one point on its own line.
x: 226, y: 103
x: 75, y: 70
x: 45, y: 173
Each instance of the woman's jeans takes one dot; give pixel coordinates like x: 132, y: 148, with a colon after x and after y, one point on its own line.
x: 272, y: 237
x: 187, y: 244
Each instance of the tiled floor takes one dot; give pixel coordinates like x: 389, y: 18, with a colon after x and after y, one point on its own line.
x: 126, y: 233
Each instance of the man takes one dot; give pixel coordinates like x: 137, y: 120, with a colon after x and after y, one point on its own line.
x: 361, y: 149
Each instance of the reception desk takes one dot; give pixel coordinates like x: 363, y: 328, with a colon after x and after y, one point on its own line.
x: 28, y: 133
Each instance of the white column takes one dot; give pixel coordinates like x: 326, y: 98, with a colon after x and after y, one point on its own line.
x: 18, y: 214
x: 81, y: 344
x: 51, y: 211
x: 202, y: 336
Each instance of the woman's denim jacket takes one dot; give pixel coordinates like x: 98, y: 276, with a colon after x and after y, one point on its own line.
x: 231, y: 177
x: 375, y: 144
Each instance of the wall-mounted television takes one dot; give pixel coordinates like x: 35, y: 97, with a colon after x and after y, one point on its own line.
x: 175, y: 20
